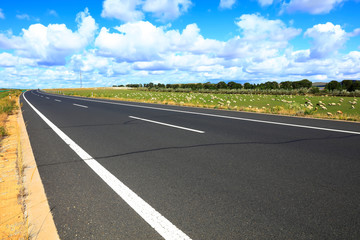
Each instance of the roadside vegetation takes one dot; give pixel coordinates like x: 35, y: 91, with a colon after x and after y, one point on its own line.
x: 305, y: 104
x: 302, y: 87
x: 13, y: 220
x: 8, y: 100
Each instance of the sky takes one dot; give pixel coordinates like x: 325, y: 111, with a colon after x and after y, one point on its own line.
x: 46, y: 44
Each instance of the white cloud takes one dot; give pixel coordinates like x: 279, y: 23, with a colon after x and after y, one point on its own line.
x: 265, y: 2
x: 139, y: 41
x: 258, y: 28
x: 88, y: 62
x: 270, y: 66
x: 52, y: 44
x: 129, y: 10
x: 127, y: 53
x: 261, y: 38
x: 124, y: 10
x: 142, y: 41
x: 23, y: 16
x: 354, y: 33
x: 311, y: 6
x: 2, y: 15
x: 9, y: 41
x: 9, y: 60
x: 166, y: 9
x: 350, y: 64
x: 327, y: 39
x: 52, y: 13
x: 227, y: 4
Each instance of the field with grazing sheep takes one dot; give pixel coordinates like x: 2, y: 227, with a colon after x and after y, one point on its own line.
x: 330, y: 107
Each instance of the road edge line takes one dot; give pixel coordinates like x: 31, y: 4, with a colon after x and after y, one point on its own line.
x: 41, y: 222
x: 157, y: 221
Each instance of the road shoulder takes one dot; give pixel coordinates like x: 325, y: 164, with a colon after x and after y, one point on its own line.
x: 39, y: 215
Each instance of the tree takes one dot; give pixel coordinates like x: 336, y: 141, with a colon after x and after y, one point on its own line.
x: 271, y: 85
x: 305, y: 83
x: 248, y: 86
x: 286, y: 85
x: 221, y: 85
x: 356, y: 85
x: 331, y: 86
x: 234, y: 85
x: 348, y: 85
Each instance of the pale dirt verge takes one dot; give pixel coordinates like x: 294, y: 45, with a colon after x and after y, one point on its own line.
x: 13, y: 222
x: 41, y: 223
x: 24, y: 210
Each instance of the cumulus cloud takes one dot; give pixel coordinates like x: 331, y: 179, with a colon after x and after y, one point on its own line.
x: 132, y: 10
x: 138, y: 41
x: 261, y: 37
x: 52, y: 44
x: 127, y: 53
x: 166, y: 9
x: 142, y: 41
x: 311, y: 6
x: 327, y: 39
x: 256, y: 27
x: 226, y: 4
x: 9, y: 60
x: 2, y: 15
x: 124, y: 10
x: 88, y: 62
x: 150, y: 49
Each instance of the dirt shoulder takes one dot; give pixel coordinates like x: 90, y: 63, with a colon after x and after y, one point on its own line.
x: 13, y: 221
x: 25, y: 213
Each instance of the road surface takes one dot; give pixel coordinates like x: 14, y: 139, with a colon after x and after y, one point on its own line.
x: 122, y: 170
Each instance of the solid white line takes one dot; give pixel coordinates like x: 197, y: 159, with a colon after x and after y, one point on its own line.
x: 163, y: 226
x: 165, y: 124
x: 219, y: 116
x: 80, y: 105
x: 57, y: 100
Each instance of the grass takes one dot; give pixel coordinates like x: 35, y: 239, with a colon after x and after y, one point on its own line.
x: 7, y: 106
x: 330, y: 107
x: 13, y: 224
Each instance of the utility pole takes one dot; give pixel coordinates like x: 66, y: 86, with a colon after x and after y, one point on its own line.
x: 80, y: 80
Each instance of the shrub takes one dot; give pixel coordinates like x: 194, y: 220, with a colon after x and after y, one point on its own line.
x: 314, y: 90
x: 2, y: 131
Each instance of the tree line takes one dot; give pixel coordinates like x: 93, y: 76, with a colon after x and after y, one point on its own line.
x: 348, y: 85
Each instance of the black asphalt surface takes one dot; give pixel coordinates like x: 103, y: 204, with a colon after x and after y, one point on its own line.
x: 238, y: 180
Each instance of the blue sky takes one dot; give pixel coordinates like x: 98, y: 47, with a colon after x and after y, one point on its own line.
x: 46, y: 44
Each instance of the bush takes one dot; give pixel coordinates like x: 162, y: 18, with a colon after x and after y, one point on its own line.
x: 8, y: 107
x: 314, y: 90
x: 2, y: 131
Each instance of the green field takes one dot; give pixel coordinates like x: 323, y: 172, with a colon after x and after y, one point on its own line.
x: 342, y: 108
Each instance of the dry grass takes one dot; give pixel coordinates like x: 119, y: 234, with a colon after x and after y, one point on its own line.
x: 13, y: 222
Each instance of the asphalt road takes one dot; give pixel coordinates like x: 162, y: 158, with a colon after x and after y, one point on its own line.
x: 237, y: 176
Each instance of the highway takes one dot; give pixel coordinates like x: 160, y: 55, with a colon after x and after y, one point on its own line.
x: 123, y: 170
